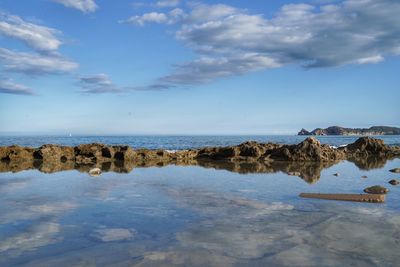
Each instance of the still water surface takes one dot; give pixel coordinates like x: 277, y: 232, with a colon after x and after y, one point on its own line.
x: 196, y: 216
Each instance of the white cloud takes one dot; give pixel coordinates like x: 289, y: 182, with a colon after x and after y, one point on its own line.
x: 167, y: 3
x: 230, y: 41
x: 34, y: 64
x: 85, y: 6
x: 97, y: 84
x: 9, y: 87
x: 36, y: 36
x: 154, y: 17
x: 171, y: 17
x: 203, y: 12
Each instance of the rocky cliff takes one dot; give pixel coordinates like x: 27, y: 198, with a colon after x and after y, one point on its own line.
x: 336, y: 130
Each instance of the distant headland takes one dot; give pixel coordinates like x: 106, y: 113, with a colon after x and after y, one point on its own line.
x: 336, y: 130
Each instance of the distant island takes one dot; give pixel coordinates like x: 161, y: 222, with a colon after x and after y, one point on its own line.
x: 336, y: 130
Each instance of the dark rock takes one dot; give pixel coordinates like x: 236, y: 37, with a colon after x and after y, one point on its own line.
x: 336, y: 130
x: 54, y: 153
x: 395, y: 170
x: 376, y: 189
x: 394, y: 182
x: 304, y: 132
x: 308, y: 150
x: 16, y: 153
x: 367, y: 146
x: 251, y: 149
x: 122, y: 153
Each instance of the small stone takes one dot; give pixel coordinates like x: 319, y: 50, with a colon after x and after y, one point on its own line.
x: 395, y: 170
x: 336, y: 174
x: 376, y: 189
x: 95, y: 172
x: 394, y: 182
x: 364, y: 176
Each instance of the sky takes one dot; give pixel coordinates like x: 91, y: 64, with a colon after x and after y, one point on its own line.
x: 101, y: 67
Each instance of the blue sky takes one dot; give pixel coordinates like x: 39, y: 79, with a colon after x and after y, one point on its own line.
x: 197, y: 67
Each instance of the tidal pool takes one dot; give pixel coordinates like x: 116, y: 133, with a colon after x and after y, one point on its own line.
x: 205, y: 215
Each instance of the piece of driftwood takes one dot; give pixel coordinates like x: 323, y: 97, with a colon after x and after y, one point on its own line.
x: 373, y: 198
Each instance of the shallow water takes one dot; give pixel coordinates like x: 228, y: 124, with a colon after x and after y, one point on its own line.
x: 197, y: 216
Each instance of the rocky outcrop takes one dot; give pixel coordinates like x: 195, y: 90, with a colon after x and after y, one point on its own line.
x: 92, y: 153
x: 16, y: 153
x: 367, y: 146
x: 54, y: 153
x: 308, y: 150
x: 245, y: 157
x: 336, y: 130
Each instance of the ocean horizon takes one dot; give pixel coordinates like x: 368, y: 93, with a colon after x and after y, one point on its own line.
x: 180, y: 142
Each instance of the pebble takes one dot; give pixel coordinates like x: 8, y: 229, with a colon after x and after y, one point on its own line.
x: 376, y: 189
x: 95, y: 172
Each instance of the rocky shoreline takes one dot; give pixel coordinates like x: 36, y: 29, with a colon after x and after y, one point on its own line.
x: 337, y: 130
x: 305, y: 159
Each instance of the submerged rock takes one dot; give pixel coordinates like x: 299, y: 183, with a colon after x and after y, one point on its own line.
x: 373, y: 198
x: 113, y: 234
x: 394, y: 182
x: 376, y: 189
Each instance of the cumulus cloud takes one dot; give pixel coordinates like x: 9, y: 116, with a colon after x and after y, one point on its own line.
x: 35, y: 64
x: 9, y: 87
x: 45, y: 59
x: 86, y: 6
x: 156, y: 17
x: 98, y: 84
x: 38, y: 37
x: 230, y: 41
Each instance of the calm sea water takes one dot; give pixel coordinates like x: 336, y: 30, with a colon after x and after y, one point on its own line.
x: 194, y: 216
x: 178, y: 142
x: 197, y: 216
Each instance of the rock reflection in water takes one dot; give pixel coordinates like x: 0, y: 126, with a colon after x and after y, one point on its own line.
x: 370, y: 162
x: 241, y: 232
x: 308, y: 171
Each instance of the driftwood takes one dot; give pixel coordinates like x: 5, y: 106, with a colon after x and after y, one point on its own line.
x: 374, y: 198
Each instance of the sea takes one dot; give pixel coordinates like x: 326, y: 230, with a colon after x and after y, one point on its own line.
x: 197, y: 215
x: 180, y: 142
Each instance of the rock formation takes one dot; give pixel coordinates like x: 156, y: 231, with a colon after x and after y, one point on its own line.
x: 337, y: 130
x: 305, y: 158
